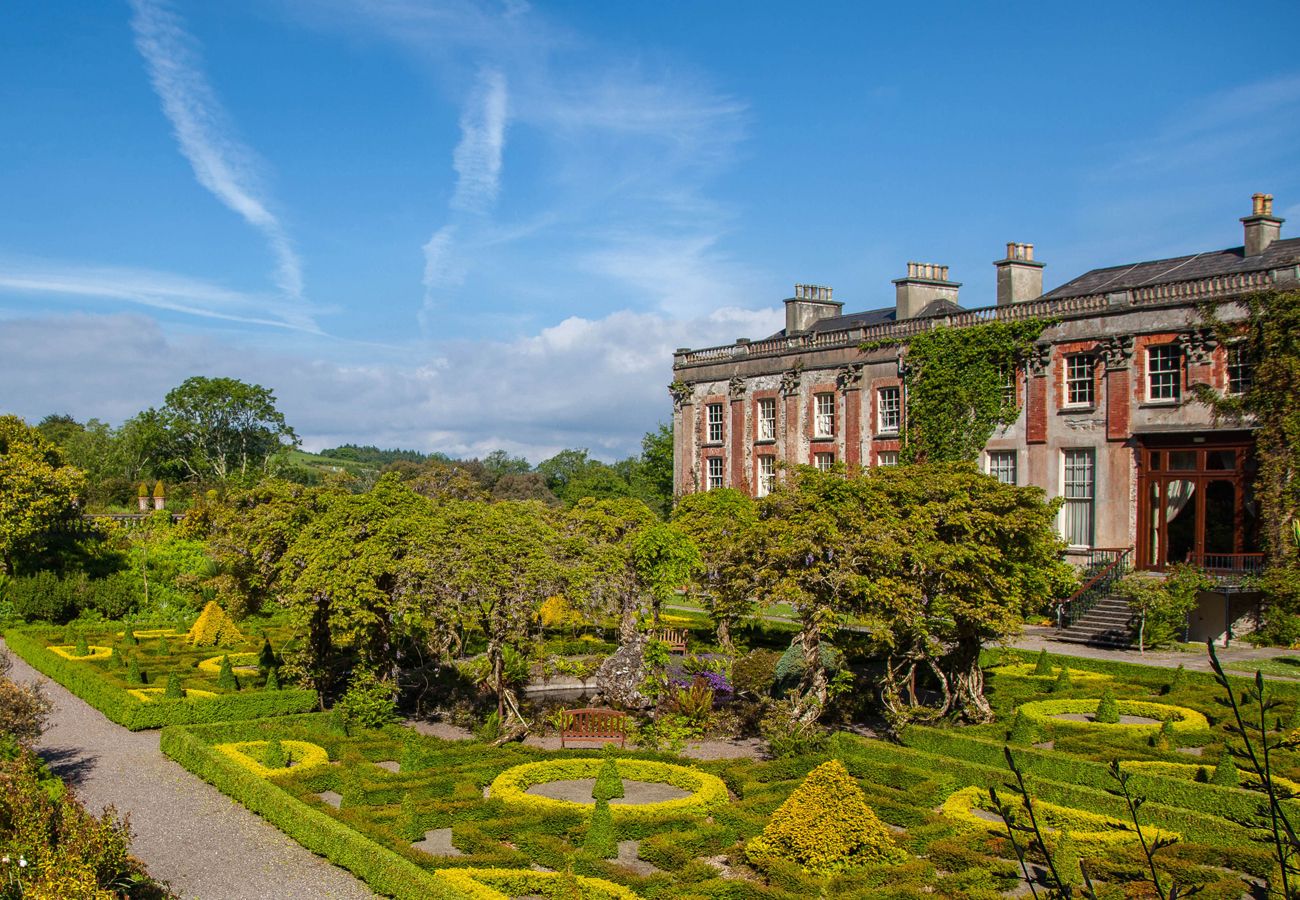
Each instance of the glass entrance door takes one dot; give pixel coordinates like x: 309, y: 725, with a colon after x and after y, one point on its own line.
x: 1193, y: 504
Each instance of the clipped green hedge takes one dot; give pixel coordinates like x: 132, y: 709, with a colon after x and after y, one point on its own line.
x: 1183, y: 719
x: 379, y: 867
x: 118, y: 705
x: 1234, y: 804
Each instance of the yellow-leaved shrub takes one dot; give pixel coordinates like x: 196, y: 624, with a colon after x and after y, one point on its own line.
x: 825, y: 827
x: 213, y: 628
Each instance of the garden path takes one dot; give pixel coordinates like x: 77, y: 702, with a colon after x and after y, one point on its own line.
x: 1037, y: 637
x: 186, y: 831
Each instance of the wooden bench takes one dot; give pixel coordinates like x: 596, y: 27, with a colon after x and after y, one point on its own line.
x: 675, y: 638
x: 594, y: 726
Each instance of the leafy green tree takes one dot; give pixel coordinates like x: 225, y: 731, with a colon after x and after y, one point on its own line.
x: 653, y: 478
x: 344, y: 578
x: 528, y: 486
x: 1160, y: 604
x: 491, y: 566
x: 250, y: 533
x: 218, y: 428
x: 605, y: 573
x: 719, y: 522
x: 664, y: 557
x: 38, y: 497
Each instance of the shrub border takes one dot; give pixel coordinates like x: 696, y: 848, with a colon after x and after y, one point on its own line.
x: 69, y: 651
x: 313, y: 756
x: 481, y: 884
x: 707, y: 791
x: 130, y: 712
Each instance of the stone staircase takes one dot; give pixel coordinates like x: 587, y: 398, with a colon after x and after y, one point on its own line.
x: 1106, y: 624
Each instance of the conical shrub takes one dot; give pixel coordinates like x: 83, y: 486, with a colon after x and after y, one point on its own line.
x: 164, y: 647
x: 226, y: 679
x: 1022, y: 730
x: 608, y: 783
x: 275, y: 757
x: 273, y: 679
x: 82, y: 648
x: 117, y: 659
x: 173, y: 691
x: 128, y: 635
x: 409, y: 825
x: 266, y: 658
x: 825, y: 826
x: 1225, y: 771
x: 1177, y: 681
x: 1042, y: 666
x: 134, y: 675
x: 1062, y: 682
x: 1107, y: 709
x: 213, y: 628
x: 600, y: 841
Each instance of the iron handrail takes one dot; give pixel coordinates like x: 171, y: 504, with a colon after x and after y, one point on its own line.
x: 1072, y: 608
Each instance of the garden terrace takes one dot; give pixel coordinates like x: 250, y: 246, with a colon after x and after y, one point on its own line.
x: 105, y: 682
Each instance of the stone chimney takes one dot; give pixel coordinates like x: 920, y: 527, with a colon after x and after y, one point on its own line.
x: 1262, y: 227
x: 1020, y: 278
x: 810, y: 303
x: 925, y: 283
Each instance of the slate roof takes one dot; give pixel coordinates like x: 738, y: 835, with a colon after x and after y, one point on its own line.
x: 1279, y: 254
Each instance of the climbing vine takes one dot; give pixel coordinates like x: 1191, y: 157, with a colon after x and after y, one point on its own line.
x: 1270, y: 337
x: 954, y: 386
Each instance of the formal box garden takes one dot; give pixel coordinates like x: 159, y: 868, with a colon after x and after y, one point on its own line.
x: 414, y: 815
x: 151, y: 677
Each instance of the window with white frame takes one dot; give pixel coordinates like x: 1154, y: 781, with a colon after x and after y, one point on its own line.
x: 766, y: 475
x: 715, y: 423
x: 715, y: 472
x: 1164, y: 372
x: 1241, y: 369
x: 1080, y: 389
x: 889, y: 410
x: 887, y: 458
x: 1002, y: 465
x: 1079, y: 482
x: 1010, y: 396
x: 824, y: 461
x: 824, y: 420
x: 767, y: 419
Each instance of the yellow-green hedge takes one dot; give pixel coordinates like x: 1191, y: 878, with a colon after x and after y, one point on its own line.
x: 309, y: 756
x: 1189, y: 771
x: 502, y: 884
x: 1095, y: 833
x: 148, y: 695
x: 68, y: 651
x: 237, y: 660
x: 707, y: 791
x: 1184, y: 720
x: 1026, y: 670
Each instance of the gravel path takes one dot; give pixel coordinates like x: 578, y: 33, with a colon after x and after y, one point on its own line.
x: 186, y: 831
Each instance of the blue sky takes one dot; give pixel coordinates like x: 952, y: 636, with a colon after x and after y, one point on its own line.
x: 460, y: 226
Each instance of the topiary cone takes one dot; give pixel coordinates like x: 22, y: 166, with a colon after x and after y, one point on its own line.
x: 1179, y: 679
x: 275, y: 757
x: 1107, y: 709
x: 266, y: 658
x: 226, y: 679
x: 82, y: 648
x: 825, y: 826
x: 128, y: 636
x: 1225, y: 771
x: 608, y: 783
x: 273, y: 679
x: 133, y: 673
x: 173, y: 691
x: 1062, y: 682
x: 1022, y: 730
x: 600, y: 841
x: 1042, y: 666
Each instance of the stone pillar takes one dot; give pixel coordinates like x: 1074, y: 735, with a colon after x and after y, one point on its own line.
x: 1198, y: 351
x: 683, y: 437
x: 1036, y: 394
x: 790, y: 383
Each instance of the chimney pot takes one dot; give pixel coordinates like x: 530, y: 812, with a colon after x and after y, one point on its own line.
x: 1020, y: 278
x: 924, y: 284
x: 810, y: 303
x: 1262, y: 227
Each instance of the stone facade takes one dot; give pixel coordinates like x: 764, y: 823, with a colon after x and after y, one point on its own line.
x: 1124, y: 338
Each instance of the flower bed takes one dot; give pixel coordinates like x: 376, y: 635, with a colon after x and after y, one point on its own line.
x: 707, y: 791
x: 1043, y: 712
x: 502, y: 884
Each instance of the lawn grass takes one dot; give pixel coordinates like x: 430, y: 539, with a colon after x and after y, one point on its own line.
x: 1274, y: 667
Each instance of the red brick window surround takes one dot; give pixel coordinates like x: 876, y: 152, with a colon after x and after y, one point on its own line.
x: 1241, y: 369
x: 889, y: 409
x: 1080, y: 383
x: 713, y: 473
x: 766, y: 475
x: 824, y: 461
x: 1164, y: 373
x: 714, y: 419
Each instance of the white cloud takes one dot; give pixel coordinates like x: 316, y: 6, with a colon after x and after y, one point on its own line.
x: 477, y: 159
x: 595, y: 383
x: 157, y: 290
x: 221, y: 163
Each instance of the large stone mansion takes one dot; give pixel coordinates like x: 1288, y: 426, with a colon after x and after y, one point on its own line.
x: 1106, y: 421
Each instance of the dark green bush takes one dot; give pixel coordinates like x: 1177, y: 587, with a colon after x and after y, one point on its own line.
x: 226, y: 679
x: 754, y: 673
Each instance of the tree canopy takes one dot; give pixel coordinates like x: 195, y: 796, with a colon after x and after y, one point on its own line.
x: 38, y: 495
